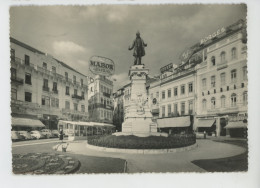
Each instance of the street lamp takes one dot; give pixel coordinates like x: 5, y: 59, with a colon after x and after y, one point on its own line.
x: 48, y: 122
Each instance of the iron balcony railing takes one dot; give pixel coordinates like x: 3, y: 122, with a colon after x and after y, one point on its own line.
x: 74, y: 96
x: 44, y: 88
x: 55, y: 91
x: 106, y: 94
x: 17, y: 80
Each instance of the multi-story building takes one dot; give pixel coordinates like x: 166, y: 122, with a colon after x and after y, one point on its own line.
x: 222, y: 78
x: 45, y: 88
x: 118, y: 113
x: 154, y: 97
x: 101, y: 100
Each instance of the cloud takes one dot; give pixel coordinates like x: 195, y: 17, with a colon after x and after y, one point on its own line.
x: 120, y: 80
x: 82, y: 62
x: 66, y: 47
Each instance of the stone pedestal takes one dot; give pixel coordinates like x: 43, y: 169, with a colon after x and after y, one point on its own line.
x: 138, y: 116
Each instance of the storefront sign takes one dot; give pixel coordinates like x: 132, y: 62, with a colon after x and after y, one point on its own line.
x: 213, y: 35
x: 166, y: 68
x: 101, y: 66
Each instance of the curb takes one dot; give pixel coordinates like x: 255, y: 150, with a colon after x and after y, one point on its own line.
x: 142, y: 151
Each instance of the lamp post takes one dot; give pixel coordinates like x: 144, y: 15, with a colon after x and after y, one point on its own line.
x: 48, y: 122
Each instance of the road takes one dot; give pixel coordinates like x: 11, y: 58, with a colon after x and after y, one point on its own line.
x: 105, y: 162
x: 169, y: 162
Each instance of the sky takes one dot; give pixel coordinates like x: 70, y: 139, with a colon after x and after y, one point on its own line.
x: 73, y: 34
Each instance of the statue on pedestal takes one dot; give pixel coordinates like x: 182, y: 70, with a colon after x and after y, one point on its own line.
x: 139, y: 52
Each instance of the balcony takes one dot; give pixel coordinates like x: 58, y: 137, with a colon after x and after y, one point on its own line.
x: 43, y: 70
x: 17, y: 81
x: 222, y: 65
x: 100, y: 105
x: 77, y: 97
x: 45, y: 88
x: 55, y: 91
x: 106, y: 94
x: 20, y: 106
x: 59, y: 76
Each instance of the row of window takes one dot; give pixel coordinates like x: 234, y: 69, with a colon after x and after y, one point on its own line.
x: 106, y: 114
x: 233, y: 101
x: 46, y: 100
x: 175, y: 110
x: 175, y: 91
x: 223, y: 57
x: 75, y: 106
x: 28, y: 80
x: 106, y: 101
x: 227, y: 89
x: 233, y: 77
x: 44, y: 65
x: 67, y: 92
x: 105, y: 89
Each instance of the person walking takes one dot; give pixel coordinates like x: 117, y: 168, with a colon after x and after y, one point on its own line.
x: 61, y: 135
x: 204, y: 134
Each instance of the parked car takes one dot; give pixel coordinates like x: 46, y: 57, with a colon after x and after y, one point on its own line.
x: 47, y: 133
x: 37, y: 134
x: 55, y: 133
x: 16, y: 136
x: 27, y: 135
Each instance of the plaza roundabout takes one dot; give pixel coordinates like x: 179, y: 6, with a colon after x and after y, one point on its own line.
x: 44, y: 163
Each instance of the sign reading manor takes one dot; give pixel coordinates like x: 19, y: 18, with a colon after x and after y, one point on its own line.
x: 101, y: 66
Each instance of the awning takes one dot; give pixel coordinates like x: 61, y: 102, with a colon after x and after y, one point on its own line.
x: 174, y: 122
x: 25, y: 122
x: 109, y: 125
x: 86, y: 123
x: 204, y: 122
x: 236, y: 124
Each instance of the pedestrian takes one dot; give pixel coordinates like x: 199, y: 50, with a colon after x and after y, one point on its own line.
x: 61, y: 135
x: 204, y: 134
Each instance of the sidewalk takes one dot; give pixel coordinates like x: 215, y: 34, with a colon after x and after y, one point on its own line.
x: 170, y: 162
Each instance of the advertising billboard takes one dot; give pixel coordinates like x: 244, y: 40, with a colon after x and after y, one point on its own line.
x: 101, y: 66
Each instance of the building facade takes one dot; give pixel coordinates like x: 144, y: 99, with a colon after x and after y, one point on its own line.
x: 100, y: 99
x: 222, y: 78
x: 45, y: 88
x: 118, y: 113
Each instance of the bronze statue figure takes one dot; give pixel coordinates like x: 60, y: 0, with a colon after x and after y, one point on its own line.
x: 139, y: 52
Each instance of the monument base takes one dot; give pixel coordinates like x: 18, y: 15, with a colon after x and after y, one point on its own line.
x: 144, y: 134
x: 141, y: 127
x: 138, y: 116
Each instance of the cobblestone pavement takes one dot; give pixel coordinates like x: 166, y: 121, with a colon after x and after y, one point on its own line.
x: 170, y: 162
